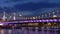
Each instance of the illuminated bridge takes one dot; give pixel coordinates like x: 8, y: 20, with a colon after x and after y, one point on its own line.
x: 52, y: 17
x: 33, y: 21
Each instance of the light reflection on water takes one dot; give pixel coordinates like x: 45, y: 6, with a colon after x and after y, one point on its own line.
x: 28, y: 30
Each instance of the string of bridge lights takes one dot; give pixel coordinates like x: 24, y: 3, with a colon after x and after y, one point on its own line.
x: 33, y: 21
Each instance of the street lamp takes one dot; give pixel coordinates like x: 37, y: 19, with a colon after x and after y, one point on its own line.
x: 54, y: 14
x: 14, y: 16
x: 57, y: 13
x: 20, y: 15
x: 46, y: 15
x: 39, y: 17
x: 34, y: 18
x: 9, y: 18
x: 42, y: 16
x: 49, y: 14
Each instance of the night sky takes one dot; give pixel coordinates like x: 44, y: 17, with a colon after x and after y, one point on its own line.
x: 29, y: 7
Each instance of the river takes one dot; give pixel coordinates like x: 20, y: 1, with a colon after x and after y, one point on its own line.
x: 29, y: 30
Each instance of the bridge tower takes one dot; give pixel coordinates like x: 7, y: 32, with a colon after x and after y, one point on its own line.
x: 14, y: 16
x: 4, y: 16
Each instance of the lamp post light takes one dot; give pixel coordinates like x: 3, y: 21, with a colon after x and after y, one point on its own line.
x: 14, y: 16
x: 39, y: 17
x: 42, y: 19
x: 57, y: 13
x: 49, y: 14
x: 53, y: 14
x: 46, y: 15
x: 34, y: 18
x: 42, y: 16
x: 20, y: 15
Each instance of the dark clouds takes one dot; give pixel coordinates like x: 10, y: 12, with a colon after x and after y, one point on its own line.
x: 34, y: 6
x: 10, y: 3
x: 29, y: 7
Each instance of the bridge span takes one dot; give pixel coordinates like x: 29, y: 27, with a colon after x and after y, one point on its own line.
x: 32, y: 21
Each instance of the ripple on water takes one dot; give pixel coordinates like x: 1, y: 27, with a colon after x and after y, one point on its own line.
x: 27, y: 31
